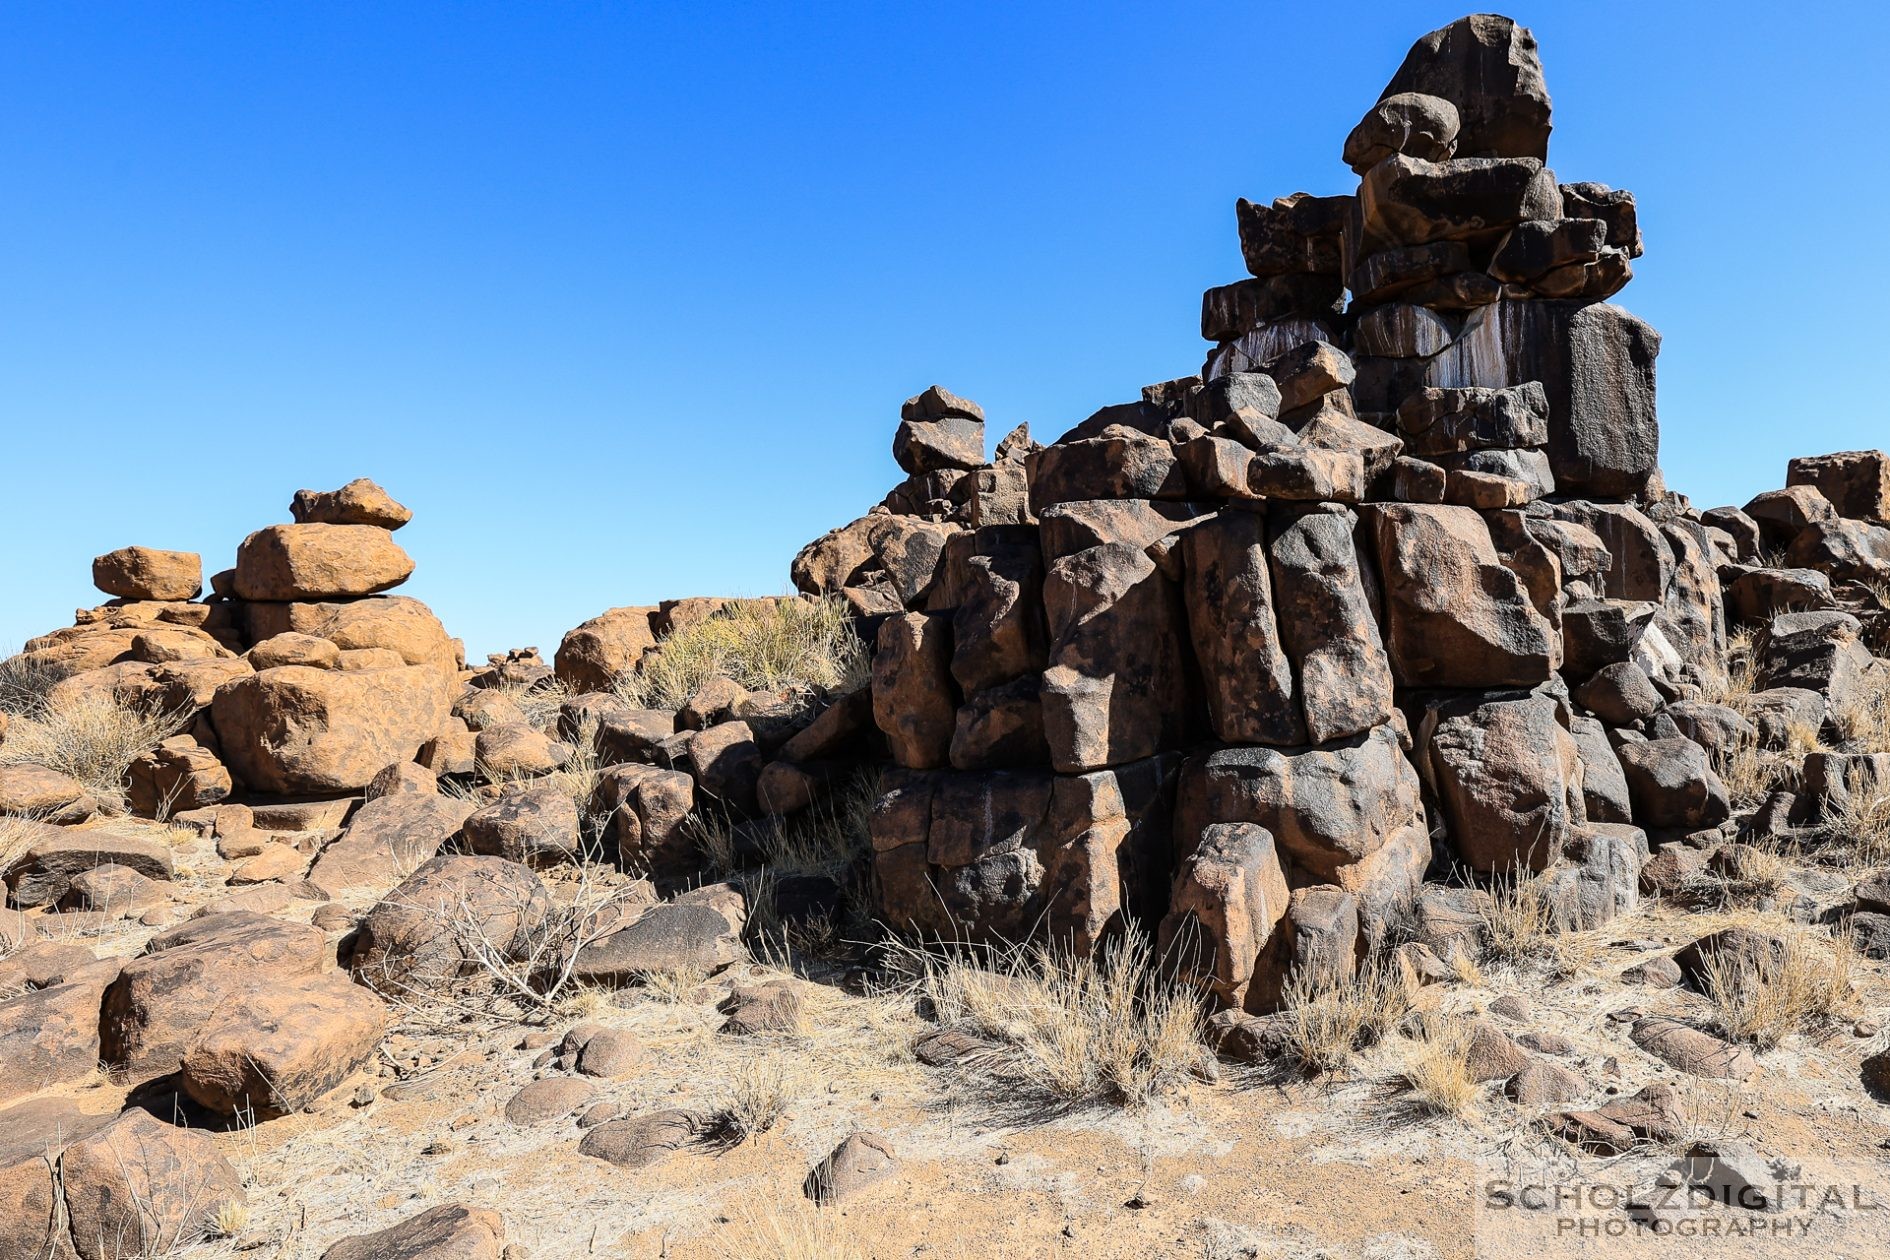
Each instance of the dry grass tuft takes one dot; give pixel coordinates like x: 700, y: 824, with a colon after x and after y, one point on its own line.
x: 1436, y: 1071
x: 1752, y: 773
x: 90, y: 736
x: 758, y: 1097
x: 1858, y: 819
x: 1809, y: 988
x: 1072, y: 1028
x: 230, y: 1219
x: 540, y: 702
x: 764, y: 645
x: 1864, y: 720
x: 1330, y: 1021
x: 788, y: 1229
x: 1729, y: 680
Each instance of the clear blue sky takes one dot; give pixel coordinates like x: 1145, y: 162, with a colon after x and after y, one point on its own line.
x: 622, y: 299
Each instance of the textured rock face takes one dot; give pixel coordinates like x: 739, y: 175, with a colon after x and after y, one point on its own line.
x: 1458, y: 617
x: 296, y: 729
x: 147, y: 573
x: 301, y: 562
x: 1488, y: 68
x: 360, y: 502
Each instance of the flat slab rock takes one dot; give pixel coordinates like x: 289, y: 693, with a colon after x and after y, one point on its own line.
x: 451, y: 1231
x: 643, y: 1140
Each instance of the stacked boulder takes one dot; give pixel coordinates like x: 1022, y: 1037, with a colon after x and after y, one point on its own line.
x: 1392, y: 586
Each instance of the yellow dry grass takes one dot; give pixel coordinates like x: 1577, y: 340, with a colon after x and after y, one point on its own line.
x: 1808, y: 988
x: 1329, y: 1021
x: 1072, y: 1027
x: 1436, y: 1069
x: 786, y: 1229
x: 764, y: 645
x: 91, y: 736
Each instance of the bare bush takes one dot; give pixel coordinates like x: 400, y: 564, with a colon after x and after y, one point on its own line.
x: 758, y: 1097
x: 25, y: 683
x: 764, y: 645
x: 1858, y: 819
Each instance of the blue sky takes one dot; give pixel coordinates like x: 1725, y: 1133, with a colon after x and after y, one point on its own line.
x: 622, y: 299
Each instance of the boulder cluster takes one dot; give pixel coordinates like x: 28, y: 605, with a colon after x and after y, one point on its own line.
x: 1283, y: 664
x: 1392, y: 589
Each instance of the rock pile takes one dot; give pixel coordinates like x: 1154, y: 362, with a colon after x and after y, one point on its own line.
x: 1393, y: 586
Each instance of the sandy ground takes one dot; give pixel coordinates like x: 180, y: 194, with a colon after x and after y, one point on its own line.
x: 1236, y: 1167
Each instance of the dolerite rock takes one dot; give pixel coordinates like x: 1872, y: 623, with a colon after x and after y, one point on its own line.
x: 385, y: 840
x: 1224, y: 920
x: 1117, y: 689
x: 298, y: 562
x: 1849, y: 551
x: 300, y: 730
x: 1118, y: 463
x: 45, y: 794
x: 647, y: 809
x: 531, y: 823
x: 1458, y: 617
x: 140, y: 1187
x: 1856, y: 483
x: 43, y: 871
x: 452, y: 1231
x: 179, y: 774
x: 1488, y: 67
x: 1330, y: 809
x: 1325, y: 932
x: 148, y: 573
x: 360, y: 502
x: 1673, y: 785
x: 998, y: 631
x: 1620, y: 694
x: 422, y: 936
x: 1407, y: 201
x: 50, y: 1036
x: 397, y: 623
x: 250, y: 1008
x: 32, y: 1135
x: 671, y: 936
x: 1509, y: 777
x: 1815, y: 651
x: 1246, y: 674
x: 1404, y: 122
x: 939, y: 430
x: 595, y: 654
x: 1327, y: 621
x: 1596, y: 366
x: 914, y: 701
x: 1692, y: 1051
x: 861, y: 1160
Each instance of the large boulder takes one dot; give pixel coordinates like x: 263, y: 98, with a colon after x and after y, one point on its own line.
x: 1596, y: 366
x: 1857, y: 483
x: 147, y: 573
x: 42, y: 873
x: 1117, y: 688
x: 595, y: 654
x: 1457, y: 616
x: 1672, y: 784
x: 295, y: 729
x: 437, y: 924
x: 249, y: 1009
x: 1328, y: 624
x: 360, y: 502
x: 386, y: 839
x: 1327, y: 808
x: 1489, y: 69
x: 532, y: 823
x: 49, y: 1036
x: 140, y: 1187
x: 32, y: 1135
x: 1245, y: 671
x: 302, y: 562
x: 1229, y: 901
x: 1508, y: 775
x: 914, y: 701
